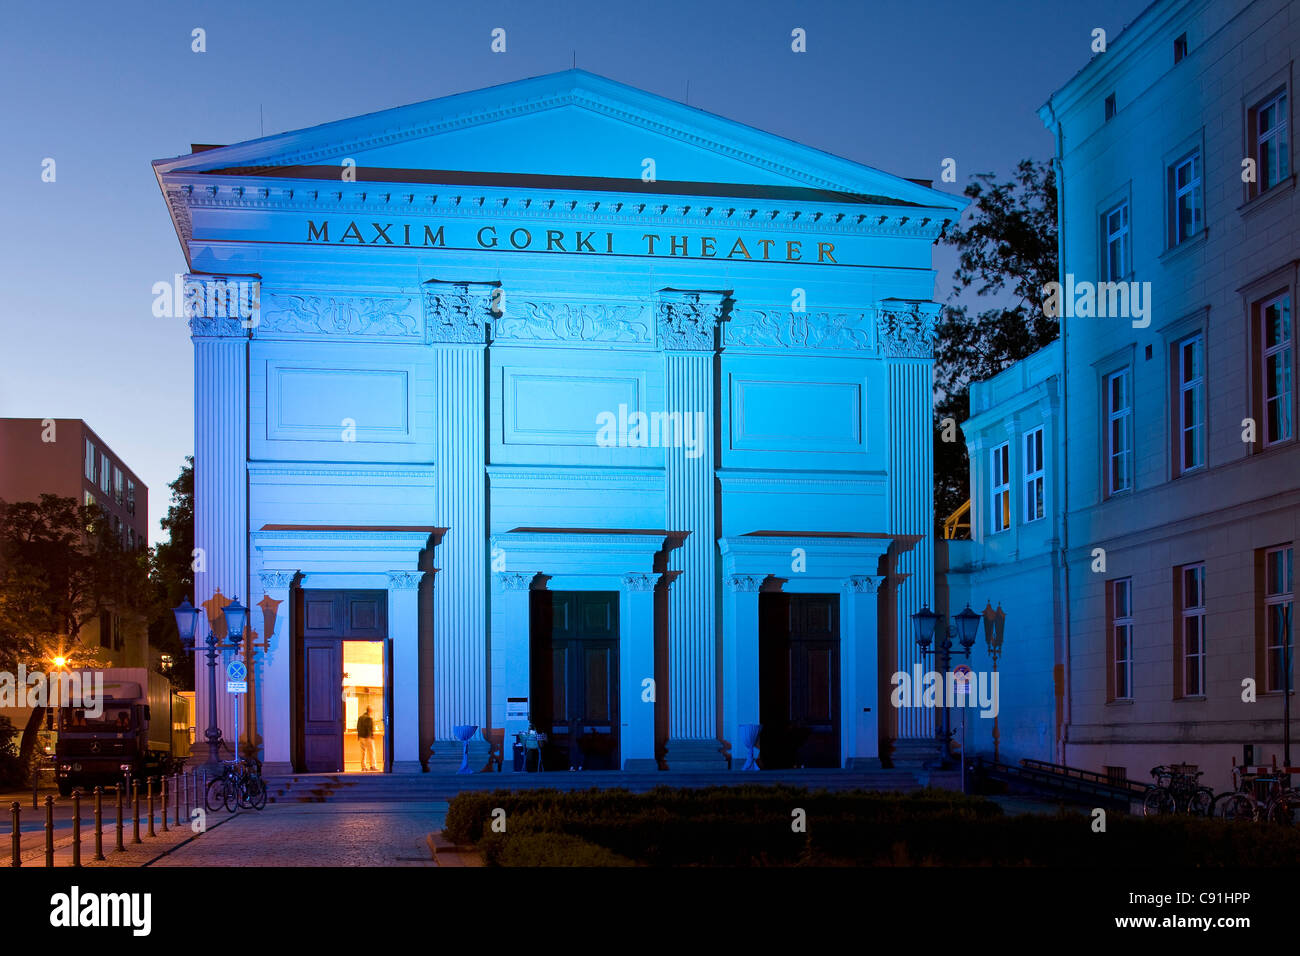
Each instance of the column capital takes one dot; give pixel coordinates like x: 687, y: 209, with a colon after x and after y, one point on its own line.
x: 459, y: 312
x: 687, y: 319
x: 907, y: 328
x: 864, y: 583
x: 276, y: 579
x: 745, y: 583
x: 640, y: 582
x: 404, y: 580
x: 516, y: 580
x: 219, y: 306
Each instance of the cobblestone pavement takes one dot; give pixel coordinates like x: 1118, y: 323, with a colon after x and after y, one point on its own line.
x: 318, y: 834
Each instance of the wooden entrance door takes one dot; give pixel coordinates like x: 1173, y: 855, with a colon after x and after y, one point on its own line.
x: 323, y: 705
x: 799, y: 680
x: 324, y: 621
x: 574, y: 648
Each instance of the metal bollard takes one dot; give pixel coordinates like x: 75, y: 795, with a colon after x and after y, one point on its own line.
x: 163, y: 805
x: 148, y: 784
x: 16, y: 841
x: 120, y: 847
x: 49, y: 831
x: 176, y: 789
x: 135, y: 790
x: 99, y: 823
x: 76, y: 828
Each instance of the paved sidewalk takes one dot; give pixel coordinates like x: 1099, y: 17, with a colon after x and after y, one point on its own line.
x: 318, y: 834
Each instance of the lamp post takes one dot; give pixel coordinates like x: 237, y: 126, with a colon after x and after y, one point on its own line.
x: 925, y: 623
x: 235, y: 614
x: 994, y: 623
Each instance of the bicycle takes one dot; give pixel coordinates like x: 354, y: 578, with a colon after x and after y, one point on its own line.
x: 250, y: 788
x: 220, y: 792
x: 1176, y: 791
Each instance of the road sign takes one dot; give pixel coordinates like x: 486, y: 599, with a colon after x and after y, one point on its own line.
x: 962, y: 675
x: 236, y: 687
x: 236, y: 671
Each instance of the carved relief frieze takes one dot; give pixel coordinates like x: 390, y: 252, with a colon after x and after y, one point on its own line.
x: 776, y: 328
x: 341, y: 314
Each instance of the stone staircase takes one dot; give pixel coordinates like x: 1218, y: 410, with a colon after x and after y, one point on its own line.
x: 436, y: 787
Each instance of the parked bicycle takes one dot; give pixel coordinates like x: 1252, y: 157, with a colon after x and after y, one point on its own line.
x: 1177, y: 791
x: 240, y: 785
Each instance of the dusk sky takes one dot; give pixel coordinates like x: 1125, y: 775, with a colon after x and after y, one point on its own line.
x: 104, y: 89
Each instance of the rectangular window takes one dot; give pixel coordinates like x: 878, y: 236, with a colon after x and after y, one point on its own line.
x: 90, y: 499
x: 117, y: 484
x: 1119, y: 432
x: 1190, y: 354
x: 105, y: 629
x: 1275, y: 368
x: 1279, y: 590
x: 90, y: 461
x: 1001, y: 482
x: 105, y: 475
x: 1186, y: 202
x: 1110, y: 107
x: 1271, y: 147
x: 130, y: 496
x: 1121, y: 638
x: 1115, y: 228
x: 1180, y: 47
x: 1035, y: 475
x: 1192, y: 630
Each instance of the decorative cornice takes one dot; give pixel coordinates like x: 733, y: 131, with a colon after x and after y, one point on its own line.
x: 746, y: 583
x: 686, y: 320
x: 864, y: 583
x: 404, y: 580
x: 458, y: 312
x: 568, y: 322
x: 341, y: 314
x: 515, y: 580
x: 907, y: 329
x: 776, y: 328
x: 278, y: 580
x: 640, y: 582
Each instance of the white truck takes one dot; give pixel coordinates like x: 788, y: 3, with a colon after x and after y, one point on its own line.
x: 128, y: 735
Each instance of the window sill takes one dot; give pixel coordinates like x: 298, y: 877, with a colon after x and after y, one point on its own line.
x: 1266, y: 198
x: 1191, y: 699
x: 1120, y: 702
x: 1174, y: 253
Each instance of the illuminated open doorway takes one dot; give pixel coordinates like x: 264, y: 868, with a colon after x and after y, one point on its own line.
x: 363, y: 706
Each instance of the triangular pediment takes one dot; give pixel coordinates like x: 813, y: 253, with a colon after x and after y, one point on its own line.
x: 566, y: 130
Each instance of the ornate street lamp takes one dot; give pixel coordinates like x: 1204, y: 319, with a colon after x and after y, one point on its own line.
x: 925, y: 624
x: 235, y: 614
x: 994, y: 622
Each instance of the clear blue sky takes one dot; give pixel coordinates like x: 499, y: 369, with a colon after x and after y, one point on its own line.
x: 104, y: 88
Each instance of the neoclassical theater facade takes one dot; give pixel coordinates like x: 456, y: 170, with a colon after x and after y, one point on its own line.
x: 560, y: 404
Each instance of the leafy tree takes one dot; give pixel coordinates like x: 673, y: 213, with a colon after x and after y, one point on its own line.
x: 61, y: 566
x: 1007, y: 255
x: 172, y: 572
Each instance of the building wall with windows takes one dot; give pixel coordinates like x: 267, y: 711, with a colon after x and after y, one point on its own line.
x: 1012, y: 559
x: 65, y: 457
x: 1180, y: 402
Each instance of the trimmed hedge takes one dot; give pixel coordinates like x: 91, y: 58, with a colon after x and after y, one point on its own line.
x: 751, y: 826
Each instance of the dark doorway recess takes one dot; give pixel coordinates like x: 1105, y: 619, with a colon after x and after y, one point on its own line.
x: 799, y: 680
x: 574, y: 660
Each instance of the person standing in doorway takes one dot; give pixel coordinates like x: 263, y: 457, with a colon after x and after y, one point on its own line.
x: 366, y: 737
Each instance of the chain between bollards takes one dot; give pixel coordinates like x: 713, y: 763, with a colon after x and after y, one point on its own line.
x: 16, y: 841
x: 135, y: 796
x: 76, y: 828
x: 49, y: 831
x: 99, y: 823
